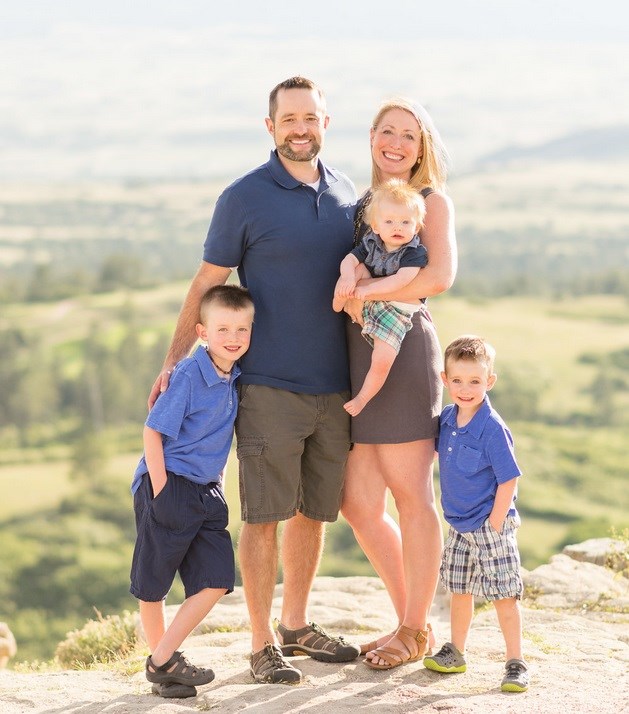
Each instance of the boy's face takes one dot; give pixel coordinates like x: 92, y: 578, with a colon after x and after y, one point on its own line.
x: 395, y: 223
x: 467, y: 381
x: 227, y: 333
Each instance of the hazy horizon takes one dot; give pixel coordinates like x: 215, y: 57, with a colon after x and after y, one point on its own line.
x: 115, y: 91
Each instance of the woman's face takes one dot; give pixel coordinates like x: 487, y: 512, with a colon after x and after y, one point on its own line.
x: 396, y: 144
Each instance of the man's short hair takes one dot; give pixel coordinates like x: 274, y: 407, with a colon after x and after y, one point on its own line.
x: 234, y: 297
x: 291, y: 83
x: 471, y: 348
x: 397, y: 191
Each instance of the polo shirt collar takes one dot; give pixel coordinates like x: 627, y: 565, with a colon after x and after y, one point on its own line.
x: 281, y: 175
x: 477, y: 424
x: 208, y: 372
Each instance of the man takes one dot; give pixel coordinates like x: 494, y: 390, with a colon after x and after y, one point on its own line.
x: 286, y: 225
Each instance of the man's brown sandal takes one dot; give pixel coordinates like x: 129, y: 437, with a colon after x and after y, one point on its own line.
x: 268, y: 665
x: 313, y: 641
x: 182, y: 673
x: 415, y: 643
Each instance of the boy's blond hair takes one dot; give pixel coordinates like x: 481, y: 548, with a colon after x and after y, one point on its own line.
x: 471, y: 348
x: 397, y: 191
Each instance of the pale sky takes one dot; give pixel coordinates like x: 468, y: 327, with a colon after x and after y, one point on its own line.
x: 553, y: 20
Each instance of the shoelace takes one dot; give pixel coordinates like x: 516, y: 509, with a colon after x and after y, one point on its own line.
x: 514, y: 669
x: 447, y: 653
x: 321, y: 633
x: 275, y: 656
x: 194, y: 670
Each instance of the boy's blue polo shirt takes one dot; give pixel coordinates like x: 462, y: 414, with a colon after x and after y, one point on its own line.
x: 473, y: 460
x: 195, y: 416
x: 287, y: 241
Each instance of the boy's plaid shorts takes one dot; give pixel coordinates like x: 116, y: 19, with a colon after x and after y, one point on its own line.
x: 483, y: 562
x: 385, y: 321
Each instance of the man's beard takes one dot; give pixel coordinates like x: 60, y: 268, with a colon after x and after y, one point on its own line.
x: 286, y: 151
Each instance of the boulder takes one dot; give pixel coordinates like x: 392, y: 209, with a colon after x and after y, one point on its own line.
x: 568, y: 583
x: 608, y: 552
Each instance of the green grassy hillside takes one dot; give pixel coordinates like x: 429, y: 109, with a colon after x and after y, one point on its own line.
x: 66, y: 526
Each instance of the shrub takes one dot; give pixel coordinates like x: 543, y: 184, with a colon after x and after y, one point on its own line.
x: 103, y: 640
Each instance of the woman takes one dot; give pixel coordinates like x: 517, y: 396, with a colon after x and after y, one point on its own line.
x: 394, y: 436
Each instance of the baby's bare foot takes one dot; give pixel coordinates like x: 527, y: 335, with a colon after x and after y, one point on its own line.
x: 355, y: 405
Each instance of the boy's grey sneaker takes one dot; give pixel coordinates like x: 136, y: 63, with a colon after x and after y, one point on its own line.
x: 448, y: 659
x: 516, y: 677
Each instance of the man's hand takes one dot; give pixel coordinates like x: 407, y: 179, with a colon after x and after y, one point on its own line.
x: 159, y: 386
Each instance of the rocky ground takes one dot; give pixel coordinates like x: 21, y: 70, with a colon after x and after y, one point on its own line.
x: 576, y: 640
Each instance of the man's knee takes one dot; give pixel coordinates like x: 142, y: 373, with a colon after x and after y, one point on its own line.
x: 257, y: 534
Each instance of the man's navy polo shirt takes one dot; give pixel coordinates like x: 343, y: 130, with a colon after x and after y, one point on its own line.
x: 288, y: 242
x: 195, y: 416
x: 473, y: 460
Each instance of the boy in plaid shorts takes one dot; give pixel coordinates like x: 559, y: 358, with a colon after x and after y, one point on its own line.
x: 479, y: 475
x: 392, y: 253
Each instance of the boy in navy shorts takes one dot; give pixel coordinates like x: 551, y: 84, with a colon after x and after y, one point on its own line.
x: 180, y: 510
x: 478, y: 474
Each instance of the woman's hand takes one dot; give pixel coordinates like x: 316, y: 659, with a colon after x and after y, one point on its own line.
x: 354, y: 308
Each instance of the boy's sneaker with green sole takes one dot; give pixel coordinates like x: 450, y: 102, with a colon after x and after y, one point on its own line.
x: 448, y: 659
x: 516, y: 677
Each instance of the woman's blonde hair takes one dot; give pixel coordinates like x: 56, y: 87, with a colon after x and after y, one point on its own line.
x: 432, y: 169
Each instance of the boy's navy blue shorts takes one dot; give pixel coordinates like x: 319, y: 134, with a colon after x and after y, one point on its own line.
x: 183, y: 529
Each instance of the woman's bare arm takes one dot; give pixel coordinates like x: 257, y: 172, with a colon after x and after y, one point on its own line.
x: 390, y: 283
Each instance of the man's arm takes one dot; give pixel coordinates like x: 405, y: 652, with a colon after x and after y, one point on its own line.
x: 185, y: 334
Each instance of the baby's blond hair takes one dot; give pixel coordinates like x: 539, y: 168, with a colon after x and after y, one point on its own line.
x: 400, y: 192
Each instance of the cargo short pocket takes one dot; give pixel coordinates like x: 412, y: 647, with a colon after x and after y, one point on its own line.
x: 250, y: 451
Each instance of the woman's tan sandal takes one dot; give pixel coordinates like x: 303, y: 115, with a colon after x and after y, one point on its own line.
x: 370, y: 646
x: 415, y: 643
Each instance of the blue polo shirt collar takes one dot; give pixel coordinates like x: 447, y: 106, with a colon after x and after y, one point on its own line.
x: 281, y: 175
x: 476, y: 426
x: 209, y: 374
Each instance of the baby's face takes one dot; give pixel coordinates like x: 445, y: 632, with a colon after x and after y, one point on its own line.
x: 395, y: 223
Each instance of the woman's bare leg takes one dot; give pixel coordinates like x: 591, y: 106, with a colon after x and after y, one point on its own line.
x: 407, y: 471
x: 364, y: 508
